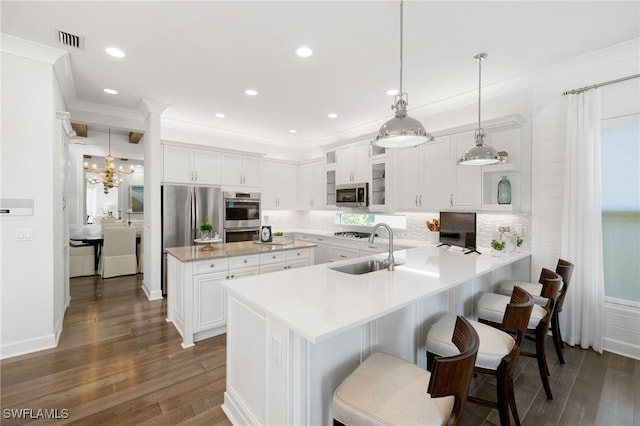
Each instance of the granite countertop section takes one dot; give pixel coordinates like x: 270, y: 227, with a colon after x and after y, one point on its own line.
x: 194, y: 253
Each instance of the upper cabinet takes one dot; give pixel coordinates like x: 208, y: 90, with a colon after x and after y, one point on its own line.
x: 423, y: 176
x: 190, y: 165
x: 427, y: 178
x: 279, y: 185
x: 240, y: 170
x: 352, y: 163
x: 311, y: 191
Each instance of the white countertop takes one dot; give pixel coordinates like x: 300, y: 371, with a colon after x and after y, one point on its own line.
x: 317, y: 302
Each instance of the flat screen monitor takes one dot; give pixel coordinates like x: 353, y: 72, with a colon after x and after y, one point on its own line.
x: 458, y: 229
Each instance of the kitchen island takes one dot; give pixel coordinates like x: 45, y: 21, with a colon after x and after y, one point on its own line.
x: 292, y: 337
x: 195, y: 275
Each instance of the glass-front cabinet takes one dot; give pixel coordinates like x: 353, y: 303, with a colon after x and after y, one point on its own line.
x: 330, y: 184
x: 378, y: 199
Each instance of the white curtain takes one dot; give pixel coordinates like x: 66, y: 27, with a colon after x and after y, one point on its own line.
x: 583, y: 314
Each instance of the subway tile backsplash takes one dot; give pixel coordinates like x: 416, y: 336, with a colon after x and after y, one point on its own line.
x: 488, y: 224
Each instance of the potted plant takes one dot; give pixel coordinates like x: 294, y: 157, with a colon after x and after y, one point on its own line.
x: 497, y: 247
x: 206, y: 230
x: 519, y: 242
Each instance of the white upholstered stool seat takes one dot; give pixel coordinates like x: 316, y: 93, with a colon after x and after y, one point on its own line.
x: 387, y: 390
x: 506, y: 288
x: 494, y: 344
x: 492, y: 306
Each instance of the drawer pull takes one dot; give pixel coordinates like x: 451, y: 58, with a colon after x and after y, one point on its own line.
x: 245, y: 261
x: 212, y: 265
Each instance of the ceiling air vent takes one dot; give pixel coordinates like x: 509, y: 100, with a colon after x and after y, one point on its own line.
x: 70, y: 40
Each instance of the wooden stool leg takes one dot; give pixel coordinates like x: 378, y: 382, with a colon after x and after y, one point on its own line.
x: 542, y: 363
x: 557, y: 338
x: 503, y: 399
x: 512, y: 402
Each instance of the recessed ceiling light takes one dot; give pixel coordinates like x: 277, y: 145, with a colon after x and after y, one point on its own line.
x: 293, y: 131
x: 111, y: 91
x: 333, y: 115
x: 114, y: 51
x: 392, y: 92
x: 304, y: 52
x: 251, y: 92
x: 219, y: 115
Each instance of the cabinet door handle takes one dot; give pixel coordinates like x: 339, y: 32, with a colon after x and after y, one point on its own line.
x: 196, y: 174
x: 421, y: 201
x: 245, y: 261
x: 213, y: 265
x: 416, y: 201
x: 451, y: 200
x: 343, y: 256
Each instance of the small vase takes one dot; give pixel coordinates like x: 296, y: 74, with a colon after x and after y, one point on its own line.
x: 205, y: 235
x: 504, y: 191
x: 496, y: 253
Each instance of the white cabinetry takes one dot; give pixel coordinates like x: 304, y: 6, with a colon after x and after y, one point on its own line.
x: 312, y: 186
x: 208, y: 294
x: 209, y: 301
x: 352, y: 163
x: 283, y: 260
x: 196, y: 299
x: 190, y: 165
x: 240, y: 170
x: 279, y: 185
x: 427, y: 178
x: 423, y: 176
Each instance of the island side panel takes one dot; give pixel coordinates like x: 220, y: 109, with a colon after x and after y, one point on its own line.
x: 246, y: 396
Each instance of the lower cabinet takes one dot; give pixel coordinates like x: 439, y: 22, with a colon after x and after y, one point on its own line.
x: 209, y: 300
x: 283, y: 260
x: 196, y: 299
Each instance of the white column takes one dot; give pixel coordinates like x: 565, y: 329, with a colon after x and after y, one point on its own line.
x: 152, y: 178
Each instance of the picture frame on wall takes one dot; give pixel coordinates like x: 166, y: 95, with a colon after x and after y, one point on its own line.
x: 136, y: 198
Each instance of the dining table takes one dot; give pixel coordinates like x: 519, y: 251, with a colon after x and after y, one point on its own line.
x: 96, y: 239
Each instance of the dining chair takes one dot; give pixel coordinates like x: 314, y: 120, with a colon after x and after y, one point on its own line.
x: 118, y: 254
x: 140, y: 249
x: 565, y: 270
x: 81, y: 260
x: 385, y: 389
x: 109, y: 223
x: 491, y: 310
x: 497, y: 354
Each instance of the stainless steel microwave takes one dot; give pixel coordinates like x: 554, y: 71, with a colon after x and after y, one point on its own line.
x: 352, y: 195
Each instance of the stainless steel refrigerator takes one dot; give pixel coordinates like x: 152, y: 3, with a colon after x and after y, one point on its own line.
x: 184, y: 208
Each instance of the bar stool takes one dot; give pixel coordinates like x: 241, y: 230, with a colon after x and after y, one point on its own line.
x: 565, y: 270
x: 498, y: 351
x: 387, y: 390
x: 491, y: 310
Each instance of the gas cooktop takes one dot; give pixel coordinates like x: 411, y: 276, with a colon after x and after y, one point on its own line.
x: 352, y: 234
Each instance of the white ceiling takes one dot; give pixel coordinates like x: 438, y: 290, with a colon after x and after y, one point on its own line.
x: 199, y: 57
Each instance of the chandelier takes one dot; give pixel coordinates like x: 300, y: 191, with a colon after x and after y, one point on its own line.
x: 110, y: 176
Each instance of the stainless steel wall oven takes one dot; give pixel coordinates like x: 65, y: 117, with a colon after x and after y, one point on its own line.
x: 241, y: 216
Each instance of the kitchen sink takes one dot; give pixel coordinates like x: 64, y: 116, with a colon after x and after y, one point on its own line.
x: 363, y: 267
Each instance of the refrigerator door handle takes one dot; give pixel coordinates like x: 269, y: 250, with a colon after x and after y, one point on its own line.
x: 194, y: 209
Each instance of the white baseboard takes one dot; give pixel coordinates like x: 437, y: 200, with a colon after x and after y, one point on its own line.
x: 27, y: 346
x: 151, y: 295
x: 622, y: 329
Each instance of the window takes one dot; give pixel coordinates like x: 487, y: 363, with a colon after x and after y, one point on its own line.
x: 370, y: 219
x: 620, y: 156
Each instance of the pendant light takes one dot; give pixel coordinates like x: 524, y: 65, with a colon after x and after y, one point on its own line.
x: 481, y: 154
x: 401, y: 131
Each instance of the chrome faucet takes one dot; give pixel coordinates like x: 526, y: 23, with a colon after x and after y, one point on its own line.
x: 390, y: 260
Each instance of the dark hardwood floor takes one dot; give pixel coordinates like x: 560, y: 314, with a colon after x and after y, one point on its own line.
x: 118, y: 362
